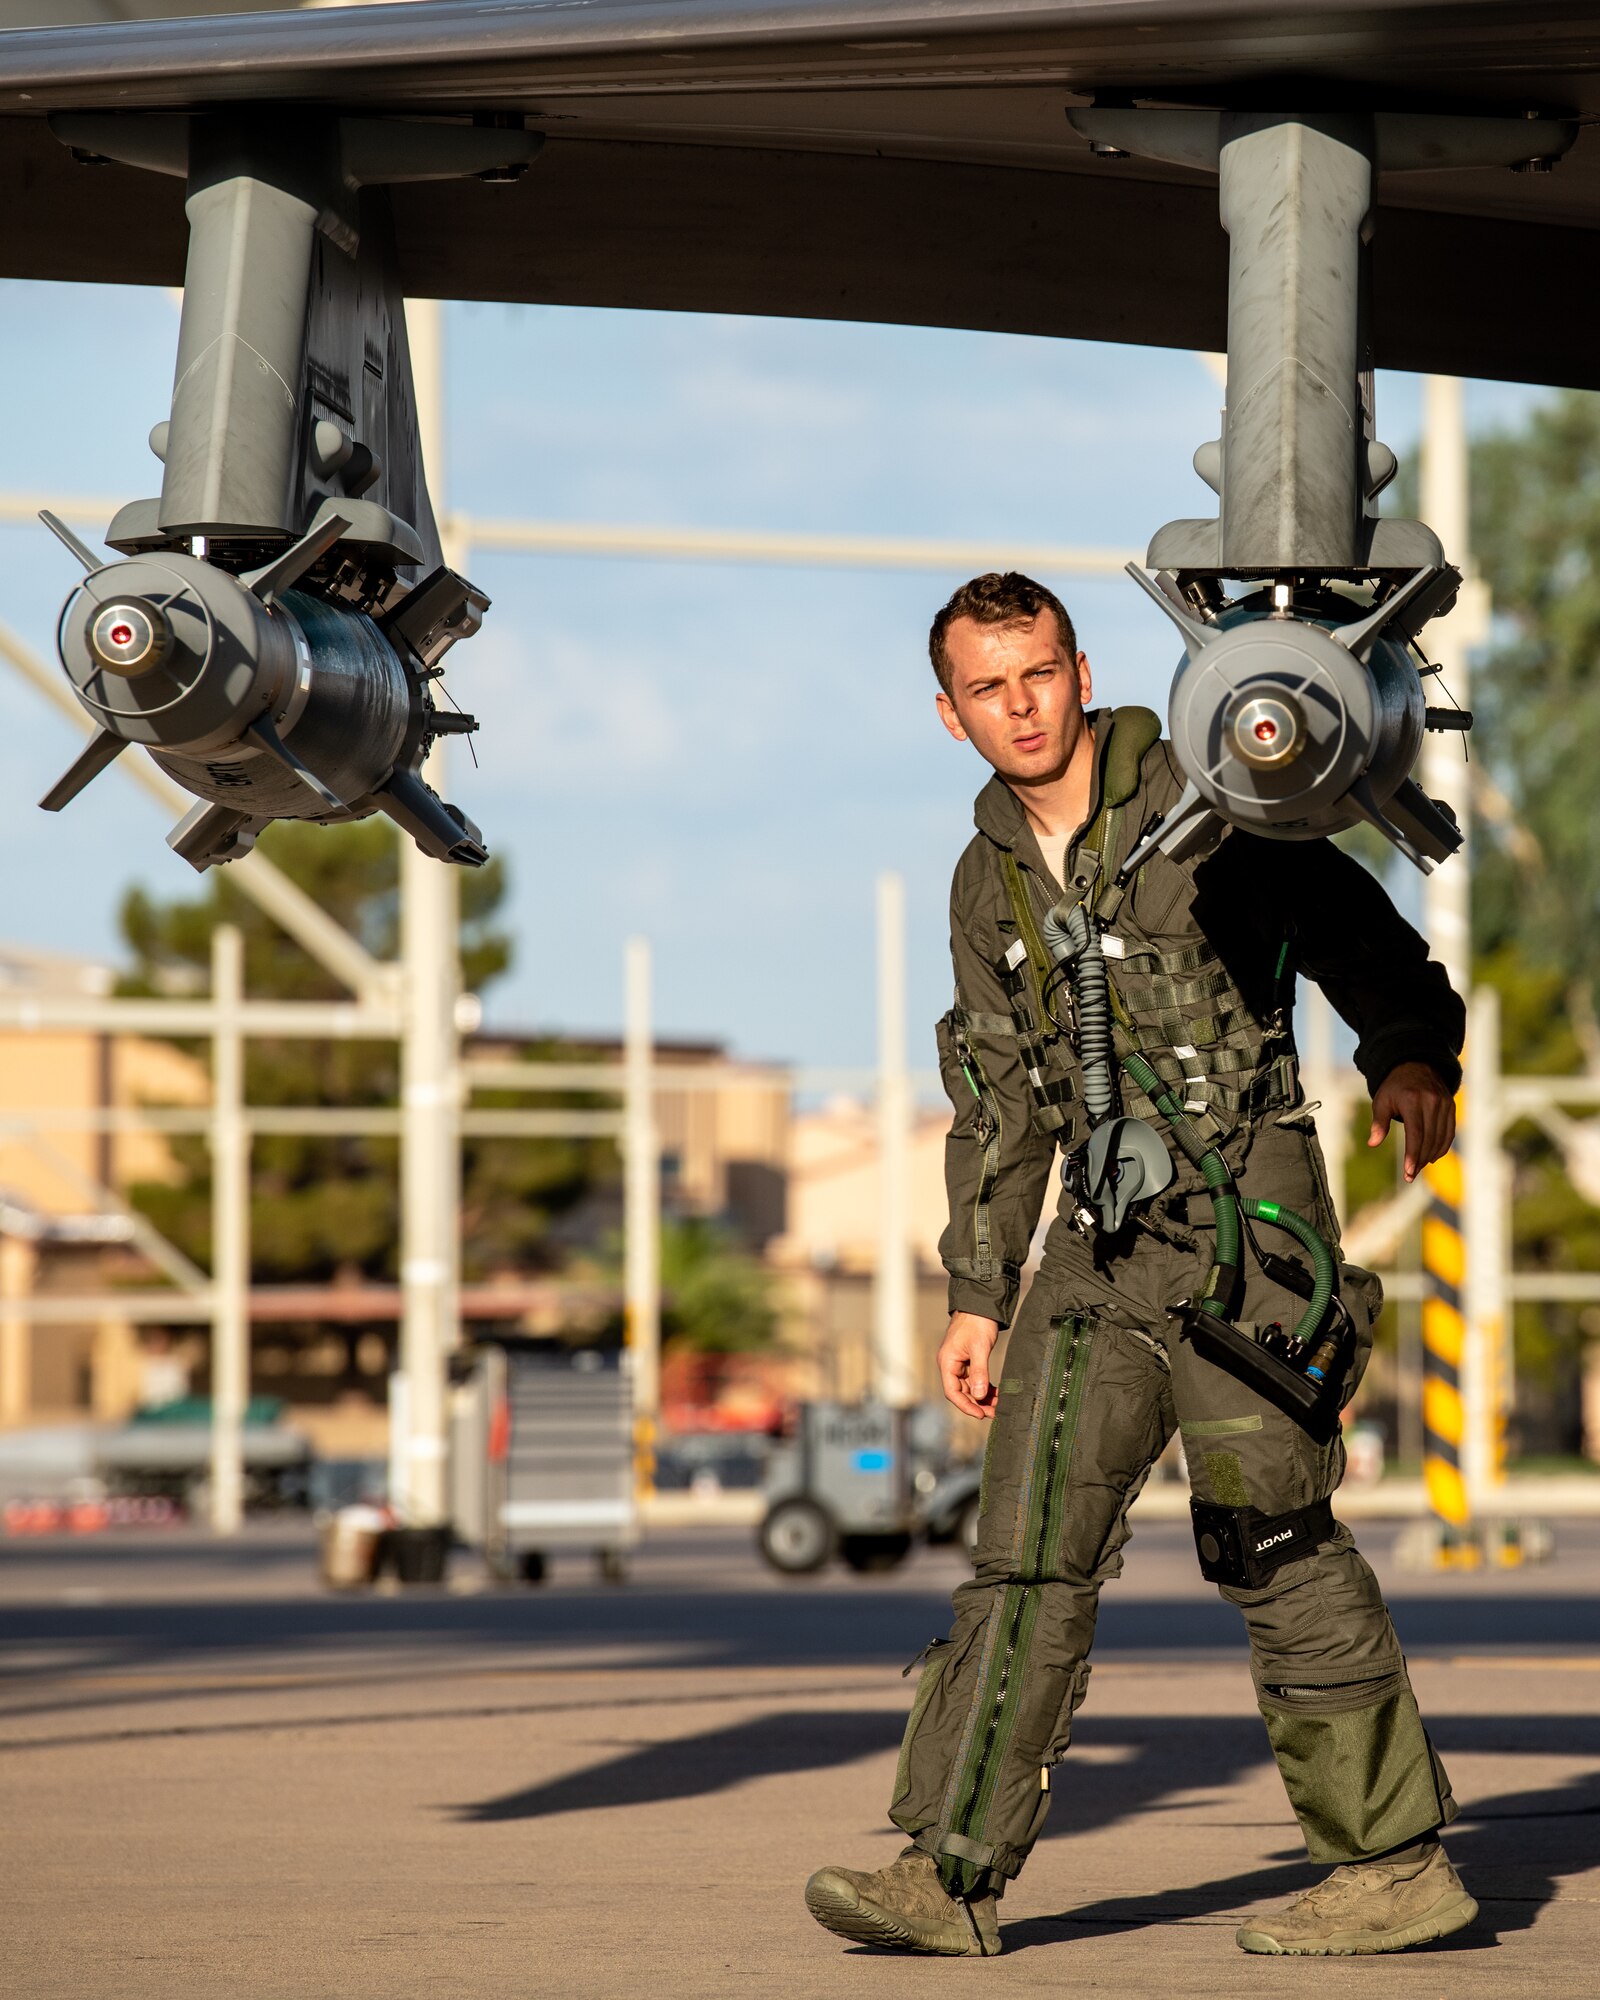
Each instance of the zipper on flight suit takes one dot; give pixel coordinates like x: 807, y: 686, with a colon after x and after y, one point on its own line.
x: 1063, y: 1427
x: 1065, y: 1400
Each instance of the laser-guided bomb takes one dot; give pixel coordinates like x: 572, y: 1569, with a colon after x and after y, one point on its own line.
x: 1298, y: 708
x: 266, y: 701
x: 1296, y: 713
x: 274, y: 629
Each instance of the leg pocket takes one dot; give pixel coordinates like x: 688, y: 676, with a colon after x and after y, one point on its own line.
x: 1362, y: 1292
x: 1357, y: 1764
x: 935, y: 1725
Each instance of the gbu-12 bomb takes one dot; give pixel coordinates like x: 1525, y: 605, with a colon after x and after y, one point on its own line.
x: 1298, y: 709
x: 264, y: 638
x: 1298, y: 715
x: 266, y: 701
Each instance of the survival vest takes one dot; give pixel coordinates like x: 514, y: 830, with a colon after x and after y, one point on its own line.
x: 1181, y: 1006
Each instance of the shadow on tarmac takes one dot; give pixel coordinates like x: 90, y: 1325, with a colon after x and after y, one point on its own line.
x: 1512, y: 1851
x: 688, y: 1767
x: 1517, y: 1845
x: 1513, y: 1848
x: 804, y: 1627
x: 1139, y: 1764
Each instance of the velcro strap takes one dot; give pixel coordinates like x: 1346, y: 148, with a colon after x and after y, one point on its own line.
x: 1172, y: 1025
x: 1160, y: 989
x: 979, y: 1853
x: 1179, y: 964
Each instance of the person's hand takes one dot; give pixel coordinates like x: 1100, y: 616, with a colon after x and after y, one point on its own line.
x: 964, y: 1364
x: 1415, y: 1094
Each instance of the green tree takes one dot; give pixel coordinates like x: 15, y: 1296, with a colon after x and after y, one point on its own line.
x: 1536, y: 537
x: 1536, y: 862
x: 329, y: 1207
x: 1536, y: 870
x: 717, y: 1298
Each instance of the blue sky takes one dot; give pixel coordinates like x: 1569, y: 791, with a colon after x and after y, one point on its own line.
x: 720, y: 758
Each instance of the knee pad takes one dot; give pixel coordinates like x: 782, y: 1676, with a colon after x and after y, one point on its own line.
x: 1242, y: 1547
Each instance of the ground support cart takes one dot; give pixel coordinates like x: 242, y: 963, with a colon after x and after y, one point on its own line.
x: 542, y: 1458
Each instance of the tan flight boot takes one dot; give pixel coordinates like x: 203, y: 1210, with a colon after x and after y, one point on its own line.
x: 1383, y: 1905
x: 904, y: 1907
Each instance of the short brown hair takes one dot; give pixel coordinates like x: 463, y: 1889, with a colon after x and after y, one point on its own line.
x: 996, y: 599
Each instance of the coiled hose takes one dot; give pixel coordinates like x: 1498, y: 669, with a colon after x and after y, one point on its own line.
x: 1074, y: 944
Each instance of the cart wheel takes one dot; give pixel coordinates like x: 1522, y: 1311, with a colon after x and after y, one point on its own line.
x: 612, y: 1565
x: 866, y: 1553
x: 796, y: 1537
x: 967, y: 1526
x: 531, y: 1565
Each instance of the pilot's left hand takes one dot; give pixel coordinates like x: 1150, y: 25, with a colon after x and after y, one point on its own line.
x: 1416, y: 1095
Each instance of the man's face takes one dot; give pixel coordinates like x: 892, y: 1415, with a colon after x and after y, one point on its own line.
x: 1016, y: 695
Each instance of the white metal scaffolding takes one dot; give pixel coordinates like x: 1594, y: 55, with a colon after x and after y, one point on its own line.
x: 230, y: 1235
x: 641, y: 1205
x: 894, y: 1292
x: 419, y: 1000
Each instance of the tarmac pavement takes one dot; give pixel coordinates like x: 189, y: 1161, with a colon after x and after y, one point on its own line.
x: 220, y: 1780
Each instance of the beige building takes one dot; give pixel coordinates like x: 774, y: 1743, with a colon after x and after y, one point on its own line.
x: 828, y: 1251
x: 799, y: 1188
x: 724, y: 1141
x: 63, y: 1228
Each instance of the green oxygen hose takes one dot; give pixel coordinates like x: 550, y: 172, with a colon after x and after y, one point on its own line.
x: 1323, y: 1275
x: 1221, y: 1280
x: 1216, y: 1295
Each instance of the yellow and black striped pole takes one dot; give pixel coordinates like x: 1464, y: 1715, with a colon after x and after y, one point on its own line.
x: 1444, y: 1349
x: 1447, y: 919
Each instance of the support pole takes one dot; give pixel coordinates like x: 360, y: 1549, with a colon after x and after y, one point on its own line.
x: 641, y: 1209
x: 19, y: 1268
x: 430, y: 1195
x: 1444, y: 1346
x: 1294, y: 195
x: 1453, y: 1378
x: 1486, y: 1215
x: 1447, y: 892
x: 894, y: 1290
x: 430, y: 1083
x: 230, y: 1235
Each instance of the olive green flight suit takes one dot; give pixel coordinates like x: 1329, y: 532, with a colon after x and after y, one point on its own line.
x: 1094, y: 1378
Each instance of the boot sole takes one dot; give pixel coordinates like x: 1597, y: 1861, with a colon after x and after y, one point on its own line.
x: 1451, y: 1913
x: 838, y: 1907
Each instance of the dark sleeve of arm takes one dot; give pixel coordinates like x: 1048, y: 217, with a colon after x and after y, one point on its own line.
x: 1372, y: 965
x: 996, y: 1164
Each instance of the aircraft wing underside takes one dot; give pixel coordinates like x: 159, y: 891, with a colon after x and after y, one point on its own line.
x: 867, y: 159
